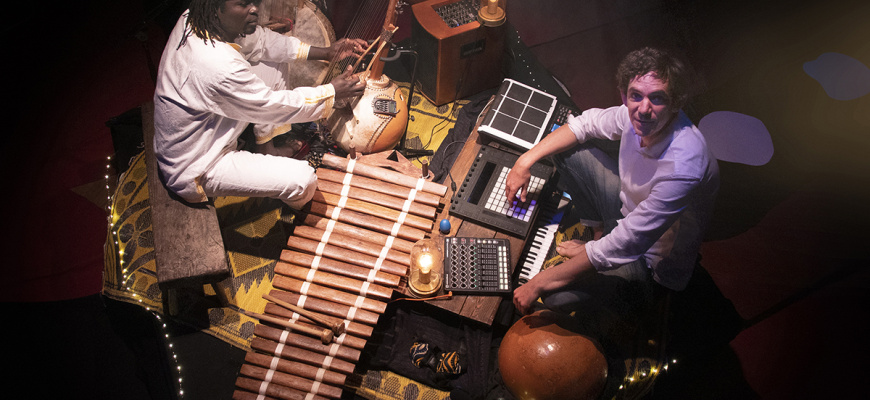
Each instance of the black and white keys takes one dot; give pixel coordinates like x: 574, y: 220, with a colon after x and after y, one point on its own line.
x: 541, y: 241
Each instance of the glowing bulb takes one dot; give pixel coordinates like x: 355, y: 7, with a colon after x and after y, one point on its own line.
x: 425, y: 262
x: 425, y: 276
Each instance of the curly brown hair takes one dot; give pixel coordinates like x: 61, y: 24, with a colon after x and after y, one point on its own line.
x: 666, y: 67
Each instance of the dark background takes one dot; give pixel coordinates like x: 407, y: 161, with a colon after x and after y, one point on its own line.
x: 787, y: 246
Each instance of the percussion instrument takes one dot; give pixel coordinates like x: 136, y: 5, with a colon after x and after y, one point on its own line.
x: 544, y: 357
x: 301, y: 19
x: 344, y: 259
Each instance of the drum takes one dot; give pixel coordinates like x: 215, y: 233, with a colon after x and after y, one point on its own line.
x: 302, y: 19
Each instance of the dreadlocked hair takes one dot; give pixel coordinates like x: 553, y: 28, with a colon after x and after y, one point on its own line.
x: 202, y: 20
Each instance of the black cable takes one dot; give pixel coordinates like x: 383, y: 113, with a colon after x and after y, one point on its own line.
x: 446, y: 156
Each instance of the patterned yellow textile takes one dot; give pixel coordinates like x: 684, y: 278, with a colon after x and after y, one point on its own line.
x: 429, y: 123
x: 387, y: 385
x: 248, y: 226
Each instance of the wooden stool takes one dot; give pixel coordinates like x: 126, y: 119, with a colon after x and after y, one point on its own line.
x: 189, y: 250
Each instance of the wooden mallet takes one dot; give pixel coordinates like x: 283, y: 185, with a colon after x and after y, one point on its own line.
x: 325, y: 335
x: 337, y: 328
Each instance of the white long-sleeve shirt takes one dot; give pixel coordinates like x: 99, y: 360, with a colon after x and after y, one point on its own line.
x: 667, y: 191
x: 206, y: 95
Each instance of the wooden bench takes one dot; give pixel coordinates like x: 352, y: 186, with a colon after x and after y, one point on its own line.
x: 189, y: 250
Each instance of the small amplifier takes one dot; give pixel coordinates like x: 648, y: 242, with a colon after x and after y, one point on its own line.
x: 457, y: 56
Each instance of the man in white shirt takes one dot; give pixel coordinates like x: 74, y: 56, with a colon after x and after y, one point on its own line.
x: 208, y: 92
x: 648, y: 209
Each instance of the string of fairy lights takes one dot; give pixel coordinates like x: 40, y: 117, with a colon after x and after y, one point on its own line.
x: 127, y: 276
x: 642, y: 375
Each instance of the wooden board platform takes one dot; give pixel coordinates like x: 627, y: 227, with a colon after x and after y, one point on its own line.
x: 189, y: 249
x: 477, y: 308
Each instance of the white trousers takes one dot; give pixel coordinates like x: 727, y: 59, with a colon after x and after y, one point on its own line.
x: 245, y: 174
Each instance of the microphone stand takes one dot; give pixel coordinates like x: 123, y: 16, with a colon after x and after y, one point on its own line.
x: 408, y: 153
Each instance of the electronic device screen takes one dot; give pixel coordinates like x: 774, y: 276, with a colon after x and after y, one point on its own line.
x: 560, y: 116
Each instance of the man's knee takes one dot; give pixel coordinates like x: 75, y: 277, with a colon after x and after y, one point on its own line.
x: 566, y: 301
x: 300, y: 192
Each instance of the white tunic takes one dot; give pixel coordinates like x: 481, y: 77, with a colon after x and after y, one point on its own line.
x: 206, y: 95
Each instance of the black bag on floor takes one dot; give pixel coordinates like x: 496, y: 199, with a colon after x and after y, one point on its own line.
x: 435, y: 348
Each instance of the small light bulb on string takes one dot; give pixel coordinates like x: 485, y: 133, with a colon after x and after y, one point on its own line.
x: 128, y: 279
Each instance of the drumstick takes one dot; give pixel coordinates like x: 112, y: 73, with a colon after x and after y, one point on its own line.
x: 337, y: 328
x: 325, y: 335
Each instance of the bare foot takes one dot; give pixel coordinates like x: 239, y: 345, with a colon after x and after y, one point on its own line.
x: 570, y: 248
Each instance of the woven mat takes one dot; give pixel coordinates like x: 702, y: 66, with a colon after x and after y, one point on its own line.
x: 253, y: 239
